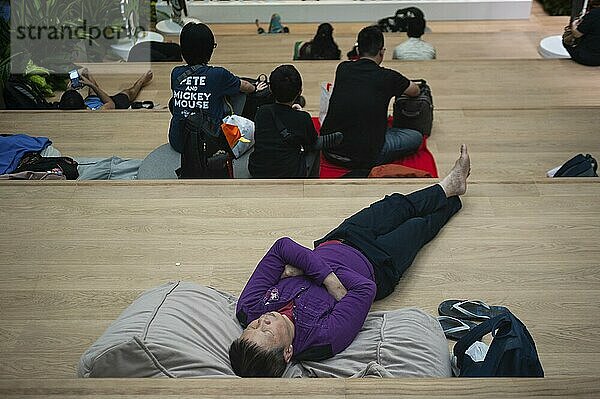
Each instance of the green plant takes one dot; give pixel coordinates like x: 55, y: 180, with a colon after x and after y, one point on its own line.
x: 30, y: 17
x: 105, y: 14
x: 36, y: 75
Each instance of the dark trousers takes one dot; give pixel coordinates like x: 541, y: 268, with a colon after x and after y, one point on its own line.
x: 582, y: 56
x: 390, y: 232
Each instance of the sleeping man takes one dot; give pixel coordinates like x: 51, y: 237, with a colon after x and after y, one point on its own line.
x: 303, y: 304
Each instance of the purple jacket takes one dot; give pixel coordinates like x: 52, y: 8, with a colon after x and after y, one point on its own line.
x: 323, y: 326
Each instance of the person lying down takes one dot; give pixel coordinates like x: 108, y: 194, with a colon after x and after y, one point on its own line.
x: 302, y: 304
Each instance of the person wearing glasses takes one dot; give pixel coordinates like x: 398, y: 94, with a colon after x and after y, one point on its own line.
x: 199, y: 86
x: 359, y: 108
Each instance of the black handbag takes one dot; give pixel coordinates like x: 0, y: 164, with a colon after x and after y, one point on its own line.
x: 415, y: 112
x: 34, y: 162
x: 579, y: 166
x: 258, y: 98
x: 512, y: 352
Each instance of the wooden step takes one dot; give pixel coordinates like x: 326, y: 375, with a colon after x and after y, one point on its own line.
x: 456, y: 84
x: 75, y: 254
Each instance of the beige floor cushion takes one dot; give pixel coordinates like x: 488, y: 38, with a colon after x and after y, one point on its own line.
x: 183, y: 329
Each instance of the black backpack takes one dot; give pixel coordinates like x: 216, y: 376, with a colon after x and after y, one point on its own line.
x: 20, y: 94
x: 399, y: 22
x: 512, y: 352
x: 206, y: 152
x: 258, y: 98
x: 579, y: 166
x: 33, y: 161
x: 415, y: 112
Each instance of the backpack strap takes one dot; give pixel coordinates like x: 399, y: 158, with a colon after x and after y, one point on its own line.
x: 186, y: 74
x: 283, y: 131
x: 593, y: 162
x: 478, y: 332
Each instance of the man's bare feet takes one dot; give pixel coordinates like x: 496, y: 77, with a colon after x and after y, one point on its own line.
x: 146, y: 78
x: 455, y: 183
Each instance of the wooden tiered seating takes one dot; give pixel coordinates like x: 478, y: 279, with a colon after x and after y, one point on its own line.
x: 456, y: 84
x: 75, y: 254
x: 506, y: 144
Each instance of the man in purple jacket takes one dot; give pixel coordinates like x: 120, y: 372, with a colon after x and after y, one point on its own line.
x: 307, y: 304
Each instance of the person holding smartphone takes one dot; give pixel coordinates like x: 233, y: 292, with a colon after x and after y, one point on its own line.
x: 97, y: 98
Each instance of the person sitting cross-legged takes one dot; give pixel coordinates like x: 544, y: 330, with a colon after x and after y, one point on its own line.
x: 283, y: 132
x: 302, y: 304
x: 358, y: 108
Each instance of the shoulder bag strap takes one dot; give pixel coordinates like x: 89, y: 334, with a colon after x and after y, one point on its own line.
x: 488, y: 326
x: 285, y: 134
x: 186, y: 74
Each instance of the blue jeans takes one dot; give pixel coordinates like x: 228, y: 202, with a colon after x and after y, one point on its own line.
x: 398, y: 144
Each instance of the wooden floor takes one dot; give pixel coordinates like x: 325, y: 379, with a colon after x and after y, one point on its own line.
x: 506, y: 144
x: 73, y: 255
x: 449, y: 46
x: 456, y: 84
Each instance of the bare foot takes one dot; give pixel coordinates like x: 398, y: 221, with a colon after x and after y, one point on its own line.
x: 455, y: 183
x: 146, y: 78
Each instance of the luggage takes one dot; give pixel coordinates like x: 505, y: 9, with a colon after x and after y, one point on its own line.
x: 258, y: 98
x: 512, y: 352
x: 399, y: 22
x: 579, y: 166
x: 415, y: 112
x: 206, y: 153
x: 34, y: 162
x: 19, y: 94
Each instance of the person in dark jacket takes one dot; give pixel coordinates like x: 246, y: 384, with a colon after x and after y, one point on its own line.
x: 585, y: 49
x: 307, y: 304
x: 359, y: 104
x: 322, y: 46
x: 278, y: 155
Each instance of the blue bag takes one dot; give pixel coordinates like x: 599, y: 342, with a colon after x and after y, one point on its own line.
x: 512, y: 352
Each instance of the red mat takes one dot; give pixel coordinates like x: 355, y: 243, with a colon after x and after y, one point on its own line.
x: 422, y: 160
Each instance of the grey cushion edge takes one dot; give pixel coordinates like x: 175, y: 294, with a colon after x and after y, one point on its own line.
x: 157, y: 308
x: 81, y: 369
x: 86, y: 365
x: 153, y: 358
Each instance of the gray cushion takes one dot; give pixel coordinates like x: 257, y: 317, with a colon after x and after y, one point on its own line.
x: 185, y: 329
x: 398, y: 343
x: 176, y: 330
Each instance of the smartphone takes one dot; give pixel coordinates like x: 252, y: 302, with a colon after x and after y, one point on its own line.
x: 75, y: 82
